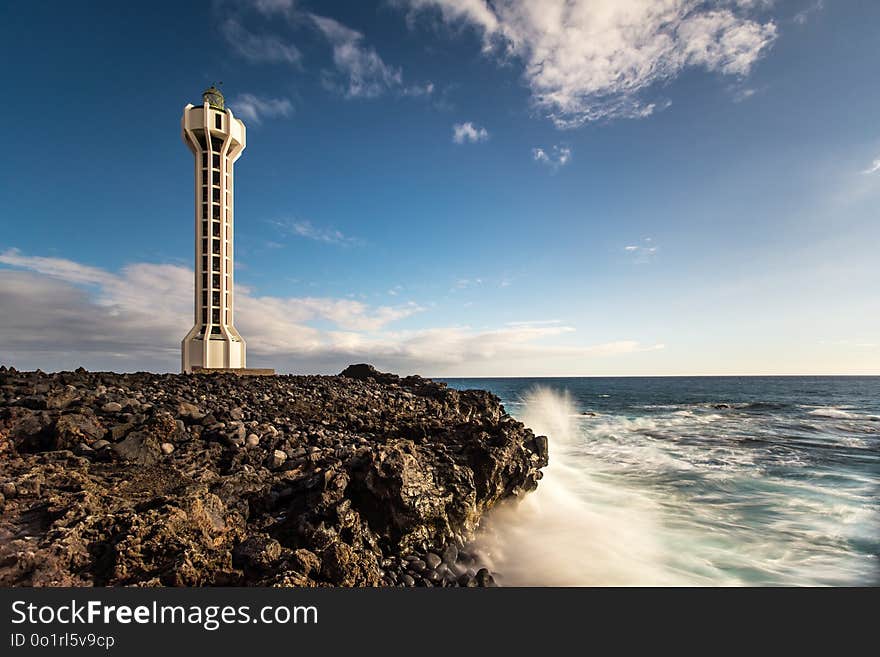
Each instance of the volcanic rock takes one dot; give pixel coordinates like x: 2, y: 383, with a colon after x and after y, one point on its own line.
x: 362, y: 479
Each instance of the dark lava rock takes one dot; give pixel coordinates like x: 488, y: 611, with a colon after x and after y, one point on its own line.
x: 139, y: 447
x: 432, y: 560
x: 349, y: 475
x: 257, y: 551
x: 75, y: 428
x: 484, y: 578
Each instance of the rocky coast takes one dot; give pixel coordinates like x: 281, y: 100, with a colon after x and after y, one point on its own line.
x: 360, y: 479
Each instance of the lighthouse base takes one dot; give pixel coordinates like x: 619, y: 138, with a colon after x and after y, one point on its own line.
x: 238, y: 371
x: 222, y: 352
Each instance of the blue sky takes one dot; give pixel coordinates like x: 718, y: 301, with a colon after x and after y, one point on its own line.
x: 632, y: 187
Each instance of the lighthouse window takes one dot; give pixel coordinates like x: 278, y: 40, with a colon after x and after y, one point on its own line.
x: 216, y: 281
x: 204, y: 280
x: 204, y: 210
x: 218, y: 122
x: 205, y: 298
x: 204, y: 159
x: 216, y: 230
x: 200, y: 137
x: 216, y: 177
x: 216, y: 144
x: 216, y: 159
x: 215, y: 330
x: 215, y: 316
x: 204, y: 262
x: 216, y: 195
x: 216, y: 299
x: 204, y: 315
x: 216, y: 212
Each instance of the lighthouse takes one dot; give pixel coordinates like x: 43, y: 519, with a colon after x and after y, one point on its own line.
x: 216, y: 139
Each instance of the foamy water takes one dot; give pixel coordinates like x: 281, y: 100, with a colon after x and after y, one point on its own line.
x: 690, y: 493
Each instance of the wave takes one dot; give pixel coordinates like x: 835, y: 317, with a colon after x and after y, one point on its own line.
x: 690, y: 496
x: 576, y: 529
x: 838, y: 413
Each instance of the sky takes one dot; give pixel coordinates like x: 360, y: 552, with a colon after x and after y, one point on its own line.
x: 452, y: 187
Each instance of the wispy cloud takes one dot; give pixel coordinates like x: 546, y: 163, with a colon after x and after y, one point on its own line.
x: 258, y: 47
x: 555, y: 157
x: 256, y: 108
x: 359, y: 70
x: 874, y: 168
x: 365, y: 74
x: 272, y: 7
x: 464, y: 283
x: 803, y: 16
x: 535, y: 322
x: 575, y: 76
x: 468, y: 132
x: 306, y: 229
x: 643, y: 251
x: 135, y: 319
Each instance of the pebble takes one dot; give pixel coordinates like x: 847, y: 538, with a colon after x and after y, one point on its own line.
x: 167, y: 448
x: 111, y: 407
x: 408, y: 579
x: 418, y: 565
x: 253, y: 440
x: 100, y: 444
x: 278, y: 458
x: 432, y: 560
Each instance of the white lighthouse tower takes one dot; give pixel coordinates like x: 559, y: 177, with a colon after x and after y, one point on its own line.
x: 216, y: 139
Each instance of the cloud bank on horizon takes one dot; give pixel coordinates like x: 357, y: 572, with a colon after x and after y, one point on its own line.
x: 135, y: 319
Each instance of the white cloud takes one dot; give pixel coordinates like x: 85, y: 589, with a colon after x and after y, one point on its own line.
x: 642, y: 252
x: 874, y: 168
x: 555, y: 157
x: 367, y: 76
x: 258, y: 47
x: 59, y: 314
x: 586, y: 60
x: 306, y: 229
x: 468, y: 132
x: 256, y: 108
x: 464, y: 283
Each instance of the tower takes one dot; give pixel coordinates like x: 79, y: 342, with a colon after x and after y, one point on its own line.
x: 216, y: 139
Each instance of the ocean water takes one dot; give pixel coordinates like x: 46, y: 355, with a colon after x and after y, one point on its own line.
x: 694, y: 481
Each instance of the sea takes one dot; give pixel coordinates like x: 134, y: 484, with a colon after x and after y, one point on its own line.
x: 693, y: 481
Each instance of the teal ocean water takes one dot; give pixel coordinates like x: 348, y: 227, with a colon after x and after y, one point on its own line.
x: 694, y: 481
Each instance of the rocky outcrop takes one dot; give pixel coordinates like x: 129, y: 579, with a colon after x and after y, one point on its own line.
x: 361, y: 479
